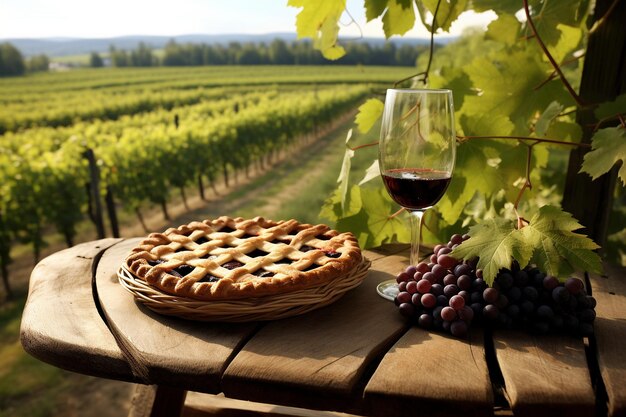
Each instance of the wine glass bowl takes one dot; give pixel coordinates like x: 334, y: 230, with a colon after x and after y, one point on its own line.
x: 417, y: 152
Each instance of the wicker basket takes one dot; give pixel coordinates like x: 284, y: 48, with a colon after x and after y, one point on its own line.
x: 252, y: 309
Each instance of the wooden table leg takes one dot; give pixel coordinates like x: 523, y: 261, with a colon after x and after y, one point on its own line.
x: 157, y: 401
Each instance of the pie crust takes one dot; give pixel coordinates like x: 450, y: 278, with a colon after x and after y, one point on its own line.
x: 234, y: 258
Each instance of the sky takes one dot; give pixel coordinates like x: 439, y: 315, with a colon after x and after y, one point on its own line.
x: 110, y: 18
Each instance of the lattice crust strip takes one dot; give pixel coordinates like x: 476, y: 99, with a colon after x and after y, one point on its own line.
x: 230, y: 258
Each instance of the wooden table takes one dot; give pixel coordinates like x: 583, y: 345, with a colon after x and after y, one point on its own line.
x: 356, y: 356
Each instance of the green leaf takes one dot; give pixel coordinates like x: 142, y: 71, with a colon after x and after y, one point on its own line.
x: 398, y: 19
x: 608, y: 146
x: 369, y: 113
x: 552, y: 14
x: 504, y: 29
x: 320, y: 22
x: 448, y: 11
x: 372, y: 172
x: 382, y: 227
x: 374, y: 8
x: 557, y: 249
x: 568, y: 41
x: 498, y: 6
x: 344, y: 175
x: 611, y: 108
x: 496, y: 242
x: 547, y: 117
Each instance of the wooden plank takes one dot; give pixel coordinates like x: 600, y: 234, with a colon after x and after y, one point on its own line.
x: 205, y: 405
x: 60, y: 323
x: 320, y: 360
x: 430, y: 373
x: 610, y: 334
x: 165, y: 350
x: 544, y: 375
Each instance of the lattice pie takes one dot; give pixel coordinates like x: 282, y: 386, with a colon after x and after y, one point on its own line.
x: 234, y: 258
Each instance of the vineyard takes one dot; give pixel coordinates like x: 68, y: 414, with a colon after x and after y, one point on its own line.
x: 77, y: 144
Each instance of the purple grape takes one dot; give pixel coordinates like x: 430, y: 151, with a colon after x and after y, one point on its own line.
x: 462, y: 269
x: 457, y: 302
x: 466, y: 314
x: 436, y: 289
x: 450, y: 290
x: 449, y: 279
x: 439, y: 272
x: 490, y: 312
x: 425, y: 321
x: 465, y: 295
x: 442, y: 300
x: 448, y: 313
x: 437, y: 312
x: 430, y: 277
x: 490, y: 295
x: 456, y: 239
x: 429, y: 300
x: 403, y: 297
x: 545, y: 312
x: 530, y: 293
x: 411, y: 287
x: 574, y: 286
x: 403, y: 277
x: 458, y: 328
x: 446, y: 261
x: 550, y: 282
x: 416, y: 299
x: 411, y: 270
x: 422, y: 267
x: 464, y: 282
x: 406, y: 309
x: 423, y: 286
x: 505, y: 280
x: 587, y: 315
x: 560, y: 295
x: 520, y: 278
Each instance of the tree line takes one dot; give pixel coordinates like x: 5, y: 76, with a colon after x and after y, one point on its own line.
x: 12, y: 61
x: 278, y: 52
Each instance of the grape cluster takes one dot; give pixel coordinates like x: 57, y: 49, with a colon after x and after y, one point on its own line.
x: 447, y: 294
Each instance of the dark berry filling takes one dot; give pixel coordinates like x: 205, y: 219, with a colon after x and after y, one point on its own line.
x: 201, y: 240
x: 209, y: 278
x: 226, y: 229
x: 306, y: 248
x: 155, y: 263
x: 332, y: 254
x: 183, y: 270
x: 247, y: 236
x: 263, y: 274
x: 232, y: 264
x: 310, y: 268
x: 255, y: 253
x: 322, y: 237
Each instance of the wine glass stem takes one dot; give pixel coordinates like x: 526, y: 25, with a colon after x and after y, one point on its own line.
x: 416, y: 229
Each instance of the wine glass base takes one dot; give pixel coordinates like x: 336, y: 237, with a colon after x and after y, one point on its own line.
x: 388, y: 289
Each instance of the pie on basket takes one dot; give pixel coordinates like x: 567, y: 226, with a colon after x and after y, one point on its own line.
x: 234, y: 258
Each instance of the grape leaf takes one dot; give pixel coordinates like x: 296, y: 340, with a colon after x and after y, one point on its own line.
x: 498, y: 6
x: 398, y: 19
x: 557, y: 249
x: 320, y: 22
x: 568, y: 41
x: 344, y: 175
x: 372, y: 172
x: 608, y: 146
x: 551, y: 15
x: 374, y: 8
x: 496, y: 242
x: 448, y: 12
x: 369, y: 113
x: 382, y: 226
x: 611, y: 108
x: 547, y: 117
x: 504, y: 29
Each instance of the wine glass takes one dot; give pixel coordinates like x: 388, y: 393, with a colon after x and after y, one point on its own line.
x: 417, y: 151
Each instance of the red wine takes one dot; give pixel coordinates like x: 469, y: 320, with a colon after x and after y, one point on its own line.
x: 416, y: 188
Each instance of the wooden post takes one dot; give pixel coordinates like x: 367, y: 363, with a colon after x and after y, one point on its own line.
x: 603, y: 79
x: 110, y: 202
x: 94, y: 193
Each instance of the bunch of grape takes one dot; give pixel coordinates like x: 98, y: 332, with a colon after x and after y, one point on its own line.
x: 447, y: 294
